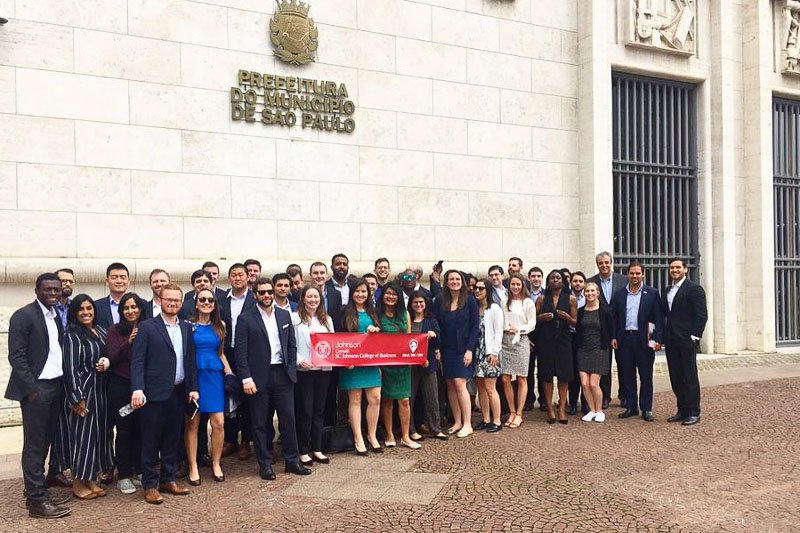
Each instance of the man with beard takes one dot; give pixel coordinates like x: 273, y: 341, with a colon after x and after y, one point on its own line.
x: 158, y: 278
x: 340, y: 266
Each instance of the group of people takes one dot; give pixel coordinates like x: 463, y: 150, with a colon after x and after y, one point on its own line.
x: 127, y: 384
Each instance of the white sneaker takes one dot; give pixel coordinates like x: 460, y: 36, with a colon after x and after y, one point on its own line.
x: 588, y: 417
x: 600, y: 417
x: 126, y: 486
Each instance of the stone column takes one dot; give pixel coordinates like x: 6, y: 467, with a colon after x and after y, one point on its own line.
x: 759, y: 273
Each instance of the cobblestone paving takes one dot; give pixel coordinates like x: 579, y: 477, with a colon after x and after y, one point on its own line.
x: 735, y: 472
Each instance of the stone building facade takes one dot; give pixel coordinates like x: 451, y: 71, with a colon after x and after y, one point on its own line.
x: 483, y: 129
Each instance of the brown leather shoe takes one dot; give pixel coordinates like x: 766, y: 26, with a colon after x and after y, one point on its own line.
x: 153, y: 496
x: 47, y: 509
x: 229, y: 449
x: 173, y: 488
x: 245, y: 451
x: 58, y: 480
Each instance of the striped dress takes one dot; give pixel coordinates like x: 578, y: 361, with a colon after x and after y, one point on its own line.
x: 91, y: 447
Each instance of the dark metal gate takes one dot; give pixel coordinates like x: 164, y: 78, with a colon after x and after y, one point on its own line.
x: 786, y: 206
x: 655, y: 174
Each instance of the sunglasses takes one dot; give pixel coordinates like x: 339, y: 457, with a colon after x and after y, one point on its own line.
x: 206, y: 299
x: 408, y: 277
x: 262, y: 292
x: 479, y: 288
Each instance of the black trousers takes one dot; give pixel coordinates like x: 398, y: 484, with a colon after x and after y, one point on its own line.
x: 634, y: 357
x: 162, y: 426
x: 240, y: 422
x: 575, y: 385
x: 682, y: 364
x: 534, y: 384
x: 310, y: 399
x: 127, y: 444
x: 277, y: 395
x: 39, y: 422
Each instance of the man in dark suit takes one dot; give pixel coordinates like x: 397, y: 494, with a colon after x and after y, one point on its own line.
x: 684, y: 305
x: 238, y: 299
x: 266, y: 358
x: 34, y: 351
x: 331, y: 298
x: 515, y: 267
x: 638, y: 326
x: 610, y: 283
x: 158, y: 278
x: 163, y: 379
x: 107, y: 309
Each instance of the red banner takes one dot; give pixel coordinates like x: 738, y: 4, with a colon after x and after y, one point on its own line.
x: 357, y: 349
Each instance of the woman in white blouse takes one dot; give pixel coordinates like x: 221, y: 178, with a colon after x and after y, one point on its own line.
x: 488, y: 363
x: 310, y: 392
x: 520, y: 319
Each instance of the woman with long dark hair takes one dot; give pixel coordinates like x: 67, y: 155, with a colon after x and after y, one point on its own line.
x: 85, y: 366
x: 424, y: 378
x: 119, y: 343
x: 395, y: 379
x: 519, y: 314
x: 311, y: 390
x: 488, y: 357
x: 359, y: 316
x: 556, y: 311
x: 457, y: 314
x: 208, y: 333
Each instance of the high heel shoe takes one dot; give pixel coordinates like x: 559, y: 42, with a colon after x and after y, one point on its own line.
x: 195, y: 482
x: 360, y: 453
x: 219, y: 479
x: 551, y: 420
x: 375, y: 449
x: 563, y: 421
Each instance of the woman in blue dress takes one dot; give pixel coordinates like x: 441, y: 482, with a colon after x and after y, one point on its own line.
x: 208, y: 332
x: 359, y: 316
x: 457, y: 314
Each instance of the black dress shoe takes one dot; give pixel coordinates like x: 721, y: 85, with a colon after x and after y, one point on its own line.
x: 267, y: 473
x: 480, y: 426
x: 691, y: 420
x: 528, y: 407
x: 542, y: 407
x: 648, y: 416
x: 320, y: 460
x: 297, y: 468
x: 491, y: 427
x: 204, y: 460
x: 46, y: 509
x: 677, y: 417
x: 605, y: 404
x: 572, y: 409
x: 623, y: 402
x: 59, y: 499
x: 59, y: 480
x: 627, y: 413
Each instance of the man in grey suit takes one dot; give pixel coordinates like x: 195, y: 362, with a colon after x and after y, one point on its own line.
x: 609, y: 283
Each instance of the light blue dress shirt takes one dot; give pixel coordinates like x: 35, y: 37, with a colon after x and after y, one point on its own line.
x: 632, y: 308
x: 176, y: 337
x: 605, y: 286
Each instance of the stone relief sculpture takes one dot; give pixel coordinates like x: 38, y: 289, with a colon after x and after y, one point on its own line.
x: 791, y: 49
x: 668, y: 25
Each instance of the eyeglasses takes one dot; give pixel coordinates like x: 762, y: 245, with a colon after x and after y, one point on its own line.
x: 262, y: 292
x: 206, y: 299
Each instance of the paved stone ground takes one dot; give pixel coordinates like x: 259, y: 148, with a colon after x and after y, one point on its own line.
x: 734, y: 472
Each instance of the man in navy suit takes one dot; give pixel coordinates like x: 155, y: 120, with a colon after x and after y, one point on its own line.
x: 163, y: 379
x: 635, y: 308
x: 684, y: 305
x: 266, y: 359
x: 106, y: 310
x: 610, y: 283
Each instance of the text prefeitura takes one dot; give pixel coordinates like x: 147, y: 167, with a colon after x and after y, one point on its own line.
x: 276, y: 100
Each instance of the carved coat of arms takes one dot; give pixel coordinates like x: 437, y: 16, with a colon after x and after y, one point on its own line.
x: 293, y: 33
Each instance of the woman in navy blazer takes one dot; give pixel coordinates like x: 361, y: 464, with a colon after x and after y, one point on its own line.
x: 457, y: 314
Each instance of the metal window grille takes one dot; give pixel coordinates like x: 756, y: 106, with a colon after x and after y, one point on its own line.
x: 655, y: 174
x: 786, y: 206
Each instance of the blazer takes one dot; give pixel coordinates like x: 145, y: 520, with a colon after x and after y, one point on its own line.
x: 252, y: 350
x: 618, y: 282
x: 462, y: 333
x: 225, y: 312
x: 689, y: 313
x: 102, y: 313
x: 606, y: 326
x: 493, y: 329
x: 154, y: 359
x: 28, y: 347
x: 430, y: 324
x: 333, y: 303
x: 649, y: 311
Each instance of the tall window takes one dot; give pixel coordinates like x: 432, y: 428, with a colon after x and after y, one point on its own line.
x: 655, y: 174
x: 786, y: 206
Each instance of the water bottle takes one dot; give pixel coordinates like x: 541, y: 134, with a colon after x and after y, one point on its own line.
x: 128, y: 409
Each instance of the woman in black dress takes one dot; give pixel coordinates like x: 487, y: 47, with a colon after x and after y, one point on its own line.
x: 556, y: 311
x: 85, y: 366
x: 592, y: 338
